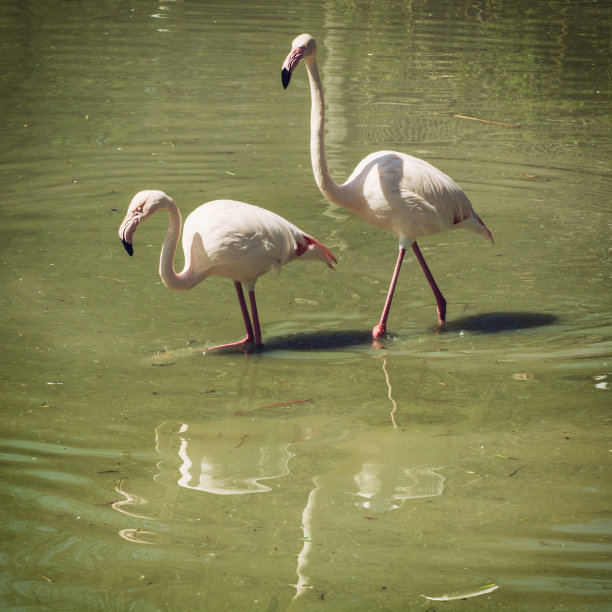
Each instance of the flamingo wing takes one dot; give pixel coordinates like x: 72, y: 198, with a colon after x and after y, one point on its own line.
x: 242, y: 242
x: 410, y: 197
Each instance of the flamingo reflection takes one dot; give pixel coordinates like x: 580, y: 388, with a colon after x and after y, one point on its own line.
x: 233, y: 456
x: 380, y: 469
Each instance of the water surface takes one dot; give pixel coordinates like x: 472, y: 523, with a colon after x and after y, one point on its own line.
x: 138, y: 474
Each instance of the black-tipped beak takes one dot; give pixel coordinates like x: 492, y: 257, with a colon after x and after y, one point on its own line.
x: 291, y: 61
x: 286, y: 77
x: 128, y: 247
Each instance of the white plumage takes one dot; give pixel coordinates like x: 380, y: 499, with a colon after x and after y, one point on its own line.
x: 409, y: 196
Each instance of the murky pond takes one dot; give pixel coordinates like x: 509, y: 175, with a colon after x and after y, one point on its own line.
x: 324, y: 472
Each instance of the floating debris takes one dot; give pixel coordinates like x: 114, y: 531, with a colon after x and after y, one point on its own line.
x: 111, y: 278
x: 523, y: 376
x: 512, y: 125
x: 298, y: 401
x: 481, y: 591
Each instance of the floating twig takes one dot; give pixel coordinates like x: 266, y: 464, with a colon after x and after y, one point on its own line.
x: 299, y: 401
x: 512, y: 125
x: 111, y: 278
x: 304, y: 184
x: 515, y: 471
x: 482, y: 591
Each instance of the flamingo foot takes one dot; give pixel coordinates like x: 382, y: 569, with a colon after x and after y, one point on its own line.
x: 441, y: 316
x: 441, y: 328
x: 442, y: 313
x: 246, y: 345
x: 441, y: 308
x: 379, y: 331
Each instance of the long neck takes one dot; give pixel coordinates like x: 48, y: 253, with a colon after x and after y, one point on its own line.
x: 330, y: 189
x: 172, y: 280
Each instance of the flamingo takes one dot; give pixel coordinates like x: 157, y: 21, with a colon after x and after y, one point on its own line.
x: 224, y: 238
x: 393, y: 191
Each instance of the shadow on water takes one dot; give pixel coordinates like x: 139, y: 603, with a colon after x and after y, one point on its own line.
x: 496, y: 322
x: 322, y: 340
x: 488, y: 323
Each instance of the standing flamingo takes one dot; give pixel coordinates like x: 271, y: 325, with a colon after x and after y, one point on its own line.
x: 224, y: 238
x: 393, y: 191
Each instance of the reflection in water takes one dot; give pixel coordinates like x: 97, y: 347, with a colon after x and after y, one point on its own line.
x: 231, y: 457
x: 139, y: 536
x: 387, y: 466
x: 390, y: 394
x: 303, y: 579
x: 384, y: 482
x: 227, y: 457
x: 129, y: 501
x: 384, y: 467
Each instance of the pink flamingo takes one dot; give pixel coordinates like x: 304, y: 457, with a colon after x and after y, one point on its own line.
x: 393, y: 191
x: 224, y: 238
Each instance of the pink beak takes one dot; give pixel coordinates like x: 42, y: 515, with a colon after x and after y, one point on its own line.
x: 292, y: 60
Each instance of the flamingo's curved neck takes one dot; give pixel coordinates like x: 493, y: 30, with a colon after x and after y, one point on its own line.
x: 330, y: 189
x: 185, y: 279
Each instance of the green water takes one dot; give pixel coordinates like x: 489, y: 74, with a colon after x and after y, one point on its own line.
x: 140, y: 475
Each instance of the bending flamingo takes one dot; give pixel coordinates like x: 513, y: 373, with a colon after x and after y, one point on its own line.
x: 393, y: 191
x: 224, y: 238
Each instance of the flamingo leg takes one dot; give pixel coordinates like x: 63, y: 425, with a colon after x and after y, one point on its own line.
x: 255, y: 316
x: 381, y: 329
x: 440, y: 301
x: 247, y: 344
x: 245, y: 313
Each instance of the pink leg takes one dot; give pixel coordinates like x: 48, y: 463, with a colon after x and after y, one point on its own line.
x: 440, y: 301
x: 247, y: 343
x: 255, y: 315
x: 381, y: 328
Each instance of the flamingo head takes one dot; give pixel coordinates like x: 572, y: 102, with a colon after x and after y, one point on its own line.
x: 302, y: 47
x: 143, y: 205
